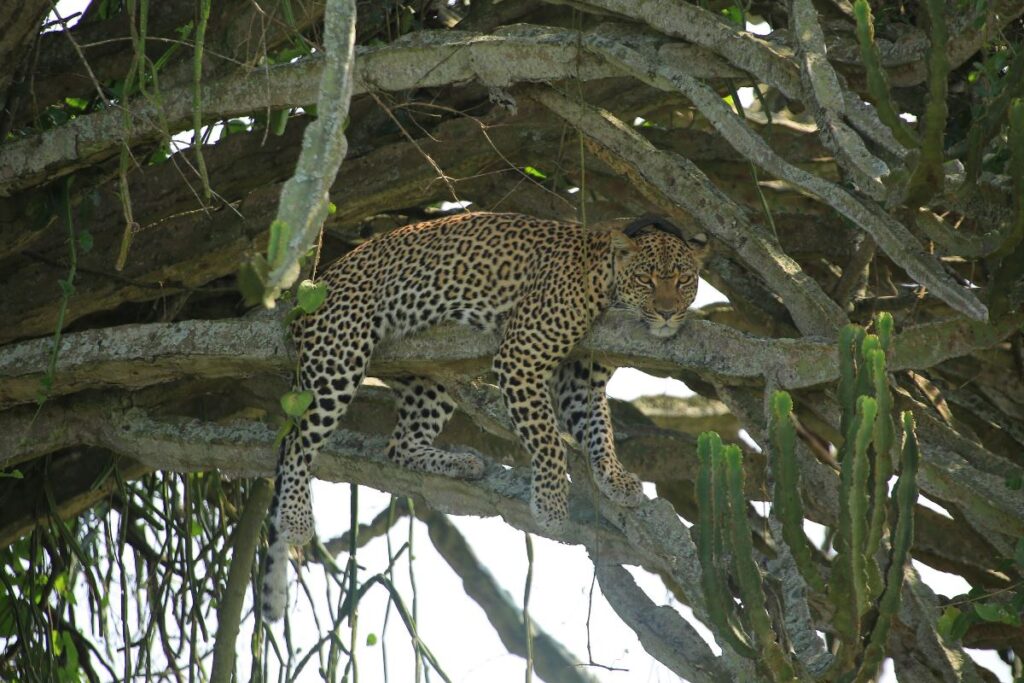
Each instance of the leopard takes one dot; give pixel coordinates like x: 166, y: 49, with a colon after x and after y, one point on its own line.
x: 539, y: 284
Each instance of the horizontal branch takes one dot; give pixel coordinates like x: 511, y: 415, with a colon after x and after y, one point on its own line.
x: 134, y: 356
x: 422, y: 60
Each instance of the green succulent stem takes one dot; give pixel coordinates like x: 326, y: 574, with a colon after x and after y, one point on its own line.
x: 884, y: 437
x: 786, y: 502
x: 748, y: 576
x: 928, y: 178
x: 878, y: 82
x: 717, y: 595
x: 902, y: 539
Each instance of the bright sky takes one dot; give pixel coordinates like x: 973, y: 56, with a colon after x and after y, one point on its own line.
x: 452, y: 625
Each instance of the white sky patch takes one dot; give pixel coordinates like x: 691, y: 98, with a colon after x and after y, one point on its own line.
x: 940, y: 581
x: 908, y: 117
x: 628, y: 384
x: 749, y: 440
x: 69, y: 10
x: 761, y: 29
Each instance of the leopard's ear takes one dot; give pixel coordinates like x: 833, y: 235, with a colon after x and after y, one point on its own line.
x: 700, y: 246
x: 622, y: 243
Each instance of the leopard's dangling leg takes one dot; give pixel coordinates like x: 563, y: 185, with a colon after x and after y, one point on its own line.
x: 524, y: 365
x: 332, y: 368
x: 579, y: 388
x: 424, y: 407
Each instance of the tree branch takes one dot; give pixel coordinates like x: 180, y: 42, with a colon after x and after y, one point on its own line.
x: 134, y: 356
x: 423, y: 60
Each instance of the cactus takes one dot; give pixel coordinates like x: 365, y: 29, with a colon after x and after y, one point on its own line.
x: 786, y: 502
x: 847, y: 376
x: 860, y: 503
x: 855, y: 587
x: 878, y: 82
x: 747, y: 574
x: 928, y: 177
x: 709, y: 448
x: 883, y: 437
x: 902, y: 538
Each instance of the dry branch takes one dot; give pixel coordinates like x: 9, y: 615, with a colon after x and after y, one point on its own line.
x: 140, y: 355
x: 422, y: 60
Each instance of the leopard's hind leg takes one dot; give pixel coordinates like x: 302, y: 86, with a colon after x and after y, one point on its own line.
x: 424, y: 407
x: 579, y: 388
x: 332, y: 367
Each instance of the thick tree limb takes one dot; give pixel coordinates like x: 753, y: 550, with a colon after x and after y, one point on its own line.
x: 827, y: 101
x: 133, y: 356
x: 423, y: 60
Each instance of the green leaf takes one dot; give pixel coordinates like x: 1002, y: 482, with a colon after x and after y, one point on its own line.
x: 195, y: 529
x: 734, y: 14
x: 161, y: 154
x: 996, y: 612
x: 85, y: 241
x: 277, y: 245
x: 76, y: 103
x: 282, y: 432
x: 251, y: 279
x: 311, y: 295
x: 953, y: 623
x: 371, y: 638
x: 232, y: 127
x: 13, y: 474
x: 332, y: 208
x: 535, y: 173
x: 69, y: 672
x: 295, y: 403
x: 8, y: 618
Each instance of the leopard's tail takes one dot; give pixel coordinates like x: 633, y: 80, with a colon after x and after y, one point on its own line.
x: 275, y: 571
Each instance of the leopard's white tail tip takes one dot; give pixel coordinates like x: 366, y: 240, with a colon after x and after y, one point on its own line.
x: 275, y: 580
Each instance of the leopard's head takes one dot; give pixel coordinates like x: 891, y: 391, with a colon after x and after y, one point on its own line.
x: 656, y: 275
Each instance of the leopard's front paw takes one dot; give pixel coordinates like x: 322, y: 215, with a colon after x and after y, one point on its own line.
x: 466, y: 465
x: 620, y: 487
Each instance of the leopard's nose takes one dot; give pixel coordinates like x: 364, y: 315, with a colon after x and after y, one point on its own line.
x: 665, y: 313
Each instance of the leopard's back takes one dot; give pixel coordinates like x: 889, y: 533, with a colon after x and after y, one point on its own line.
x: 473, y: 268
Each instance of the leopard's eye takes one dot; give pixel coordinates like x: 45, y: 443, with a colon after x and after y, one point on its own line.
x: 645, y: 280
x: 684, y: 281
